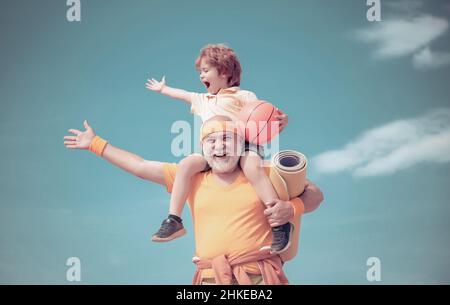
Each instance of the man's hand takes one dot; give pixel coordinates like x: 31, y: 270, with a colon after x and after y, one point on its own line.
x: 282, y: 118
x: 279, y: 212
x: 312, y: 197
x: 154, y: 85
x: 81, y: 140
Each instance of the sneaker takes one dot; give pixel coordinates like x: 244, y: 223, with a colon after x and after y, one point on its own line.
x: 281, y: 238
x: 170, y: 229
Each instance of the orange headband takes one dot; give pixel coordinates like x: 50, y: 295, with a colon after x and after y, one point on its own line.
x: 210, y: 127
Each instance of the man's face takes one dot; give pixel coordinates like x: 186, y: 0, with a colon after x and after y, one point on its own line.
x: 222, y: 151
x: 210, y: 77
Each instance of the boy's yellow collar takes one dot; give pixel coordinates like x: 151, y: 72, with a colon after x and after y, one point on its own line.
x: 226, y: 90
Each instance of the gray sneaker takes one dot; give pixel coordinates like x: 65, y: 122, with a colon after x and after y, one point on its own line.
x: 281, y: 238
x: 170, y: 229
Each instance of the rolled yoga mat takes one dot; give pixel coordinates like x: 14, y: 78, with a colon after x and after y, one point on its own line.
x: 288, y: 176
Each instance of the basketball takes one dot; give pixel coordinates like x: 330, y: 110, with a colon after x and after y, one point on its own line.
x: 258, y: 122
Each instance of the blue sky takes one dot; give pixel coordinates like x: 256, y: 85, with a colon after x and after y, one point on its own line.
x: 368, y: 103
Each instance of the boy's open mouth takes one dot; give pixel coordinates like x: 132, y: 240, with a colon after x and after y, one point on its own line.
x: 207, y: 84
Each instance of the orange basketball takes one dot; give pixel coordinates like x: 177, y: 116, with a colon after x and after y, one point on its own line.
x: 258, y: 122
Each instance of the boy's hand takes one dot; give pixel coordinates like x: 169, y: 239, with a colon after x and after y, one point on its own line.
x: 154, y: 85
x: 81, y: 140
x: 282, y: 118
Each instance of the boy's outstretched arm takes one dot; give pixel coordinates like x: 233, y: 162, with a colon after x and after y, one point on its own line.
x: 134, y: 164
x: 161, y: 87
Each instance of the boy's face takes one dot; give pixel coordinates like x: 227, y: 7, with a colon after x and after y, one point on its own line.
x: 210, y: 77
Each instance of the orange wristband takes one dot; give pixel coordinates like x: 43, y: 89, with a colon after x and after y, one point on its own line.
x: 98, y: 145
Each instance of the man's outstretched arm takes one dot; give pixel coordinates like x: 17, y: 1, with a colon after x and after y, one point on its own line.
x: 134, y: 164
x: 312, y: 197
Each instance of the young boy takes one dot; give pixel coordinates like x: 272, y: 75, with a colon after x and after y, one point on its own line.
x: 220, y: 72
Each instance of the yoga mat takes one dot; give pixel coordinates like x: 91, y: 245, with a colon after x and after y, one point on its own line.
x: 291, y: 166
x: 288, y: 176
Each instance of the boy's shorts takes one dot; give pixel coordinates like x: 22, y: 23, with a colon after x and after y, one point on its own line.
x: 258, y: 149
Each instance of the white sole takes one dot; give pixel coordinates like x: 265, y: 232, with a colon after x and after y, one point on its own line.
x: 285, y: 248
x: 171, y: 237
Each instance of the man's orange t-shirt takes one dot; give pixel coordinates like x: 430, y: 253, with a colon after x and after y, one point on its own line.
x: 227, y: 220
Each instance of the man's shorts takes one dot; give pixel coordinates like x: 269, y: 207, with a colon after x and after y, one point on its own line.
x: 256, y: 279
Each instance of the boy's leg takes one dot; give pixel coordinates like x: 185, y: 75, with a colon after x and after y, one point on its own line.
x: 172, y: 227
x: 252, y: 166
x: 187, y: 168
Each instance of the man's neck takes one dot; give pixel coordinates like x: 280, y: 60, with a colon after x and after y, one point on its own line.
x: 226, y: 179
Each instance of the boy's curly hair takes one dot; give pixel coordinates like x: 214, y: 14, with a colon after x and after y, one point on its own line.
x: 224, y: 59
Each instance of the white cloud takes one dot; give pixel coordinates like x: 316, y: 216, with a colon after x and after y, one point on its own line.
x: 406, y: 32
x: 403, y: 36
x: 395, y: 146
x: 426, y: 59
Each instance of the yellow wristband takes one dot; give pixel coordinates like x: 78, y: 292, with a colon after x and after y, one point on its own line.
x: 98, y: 145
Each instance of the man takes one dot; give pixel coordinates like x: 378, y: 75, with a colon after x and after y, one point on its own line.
x: 231, y: 224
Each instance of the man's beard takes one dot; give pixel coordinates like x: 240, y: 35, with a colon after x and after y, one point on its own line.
x: 222, y: 165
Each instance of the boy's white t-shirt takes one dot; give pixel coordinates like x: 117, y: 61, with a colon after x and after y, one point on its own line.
x: 228, y: 102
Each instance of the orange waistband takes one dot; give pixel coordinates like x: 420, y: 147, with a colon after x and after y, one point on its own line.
x: 271, y: 267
